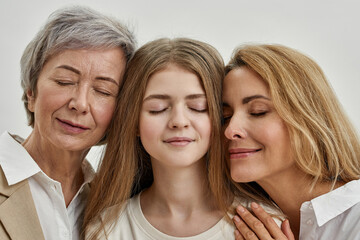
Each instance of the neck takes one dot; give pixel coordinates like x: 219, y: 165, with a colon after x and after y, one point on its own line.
x: 289, y: 190
x: 58, y: 164
x: 180, y: 197
x: 184, y: 188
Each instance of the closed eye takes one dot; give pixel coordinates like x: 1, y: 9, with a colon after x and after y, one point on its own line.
x: 226, y: 118
x: 103, y: 92
x: 157, y: 111
x: 203, y: 110
x: 258, y: 114
x: 64, y: 83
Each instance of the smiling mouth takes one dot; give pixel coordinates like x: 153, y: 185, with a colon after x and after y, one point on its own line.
x: 242, y: 153
x: 178, y: 141
x: 72, y: 127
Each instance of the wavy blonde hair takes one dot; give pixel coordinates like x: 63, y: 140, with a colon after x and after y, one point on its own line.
x: 323, y: 141
x: 126, y: 168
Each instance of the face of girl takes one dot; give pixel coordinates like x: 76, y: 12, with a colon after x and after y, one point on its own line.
x: 257, y: 139
x: 174, y: 123
x: 75, y: 100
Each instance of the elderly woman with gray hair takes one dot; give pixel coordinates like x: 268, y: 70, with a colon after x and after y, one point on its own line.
x: 71, y: 73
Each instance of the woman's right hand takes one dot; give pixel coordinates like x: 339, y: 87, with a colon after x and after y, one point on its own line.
x: 261, y: 226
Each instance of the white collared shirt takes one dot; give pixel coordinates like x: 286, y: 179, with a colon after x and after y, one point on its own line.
x: 57, y: 220
x: 334, y: 215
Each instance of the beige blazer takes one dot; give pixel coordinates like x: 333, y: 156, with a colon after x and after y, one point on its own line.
x: 18, y: 216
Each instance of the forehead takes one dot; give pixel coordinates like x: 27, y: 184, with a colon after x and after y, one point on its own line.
x: 98, y: 62
x: 101, y: 55
x: 174, y: 80
x: 243, y: 82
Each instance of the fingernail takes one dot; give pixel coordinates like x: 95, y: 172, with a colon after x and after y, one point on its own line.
x: 241, y: 209
x: 236, y: 218
x: 254, y: 205
x: 287, y: 222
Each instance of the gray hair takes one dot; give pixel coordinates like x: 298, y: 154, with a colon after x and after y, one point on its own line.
x: 71, y: 28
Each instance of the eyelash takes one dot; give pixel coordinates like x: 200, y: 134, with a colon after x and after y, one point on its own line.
x: 157, y: 112
x: 259, y: 114
x: 63, y: 83
x: 103, y: 93
x: 192, y: 109
x: 226, y: 119
x: 199, y: 110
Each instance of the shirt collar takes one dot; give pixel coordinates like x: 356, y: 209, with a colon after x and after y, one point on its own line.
x: 15, y: 161
x: 88, y: 171
x: 18, y: 165
x: 334, y: 203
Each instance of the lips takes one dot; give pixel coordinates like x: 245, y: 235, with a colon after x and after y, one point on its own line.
x: 178, y: 141
x: 72, y: 127
x: 237, y: 153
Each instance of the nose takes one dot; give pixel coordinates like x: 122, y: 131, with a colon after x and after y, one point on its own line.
x: 178, y: 118
x: 235, y: 129
x: 80, y: 100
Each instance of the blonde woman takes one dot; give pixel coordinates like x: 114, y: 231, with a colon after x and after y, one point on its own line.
x: 287, y: 135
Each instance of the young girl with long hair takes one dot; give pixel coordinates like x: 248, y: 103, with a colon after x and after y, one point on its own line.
x: 154, y: 179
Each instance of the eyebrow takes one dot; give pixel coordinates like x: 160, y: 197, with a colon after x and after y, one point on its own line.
x: 107, y: 79
x: 166, y: 97
x: 67, y: 67
x: 74, y: 70
x: 249, y: 99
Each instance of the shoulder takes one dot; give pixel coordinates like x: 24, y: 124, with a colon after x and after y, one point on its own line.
x: 7, y: 190
x: 110, y: 221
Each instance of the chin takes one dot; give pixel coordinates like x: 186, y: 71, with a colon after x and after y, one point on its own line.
x: 240, y: 177
x: 70, y: 144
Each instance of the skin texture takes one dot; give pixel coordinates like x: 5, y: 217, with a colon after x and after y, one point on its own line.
x: 175, y: 130
x: 258, y: 147
x: 260, y: 225
x: 174, y: 124
x: 256, y: 137
x: 72, y: 89
x: 73, y: 106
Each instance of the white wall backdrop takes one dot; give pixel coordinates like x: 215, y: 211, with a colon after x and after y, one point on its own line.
x: 326, y: 30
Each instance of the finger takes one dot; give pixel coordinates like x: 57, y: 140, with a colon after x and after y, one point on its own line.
x: 253, y: 224
x: 243, y: 229
x: 285, y: 228
x: 268, y: 221
x: 238, y: 236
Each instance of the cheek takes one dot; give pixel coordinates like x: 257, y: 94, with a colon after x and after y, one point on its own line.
x: 149, y: 132
x: 148, y: 128
x: 203, y: 126
x: 47, y: 101
x: 276, y: 139
x: 103, y: 113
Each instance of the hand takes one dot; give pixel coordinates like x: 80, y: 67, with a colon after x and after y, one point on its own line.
x: 262, y: 226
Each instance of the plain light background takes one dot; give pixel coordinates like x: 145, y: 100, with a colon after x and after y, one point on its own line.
x: 326, y: 30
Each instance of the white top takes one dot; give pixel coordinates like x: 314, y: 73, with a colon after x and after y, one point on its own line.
x: 132, y: 224
x: 335, y: 215
x: 57, y: 221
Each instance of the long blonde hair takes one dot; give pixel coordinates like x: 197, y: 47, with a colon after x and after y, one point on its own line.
x: 126, y: 169
x: 323, y: 141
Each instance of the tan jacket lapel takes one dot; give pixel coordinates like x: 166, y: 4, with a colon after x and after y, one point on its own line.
x: 18, y: 214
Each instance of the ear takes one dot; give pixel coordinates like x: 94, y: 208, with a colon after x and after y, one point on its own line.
x: 31, y: 100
